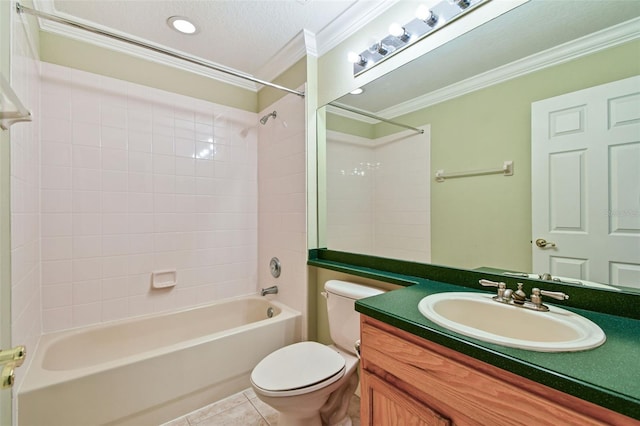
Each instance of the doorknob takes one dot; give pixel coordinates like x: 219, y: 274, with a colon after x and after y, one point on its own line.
x: 8, y: 376
x: 11, y: 359
x: 15, y: 355
x: 542, y: 243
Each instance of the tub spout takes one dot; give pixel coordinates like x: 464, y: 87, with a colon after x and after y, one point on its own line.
x: 269, y: 290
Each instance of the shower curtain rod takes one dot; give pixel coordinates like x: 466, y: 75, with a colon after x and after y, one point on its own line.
x: 376, y: 117
x: 54, y: 18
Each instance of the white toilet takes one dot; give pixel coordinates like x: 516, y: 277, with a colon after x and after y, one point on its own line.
x: 309, y: 383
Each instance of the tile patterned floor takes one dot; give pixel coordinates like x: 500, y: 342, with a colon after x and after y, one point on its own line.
x: 244, y: 409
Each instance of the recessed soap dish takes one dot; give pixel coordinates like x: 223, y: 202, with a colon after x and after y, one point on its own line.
x: 164, y: 279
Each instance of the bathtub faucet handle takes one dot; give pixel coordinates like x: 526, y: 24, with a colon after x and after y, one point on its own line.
x: 269, y: 290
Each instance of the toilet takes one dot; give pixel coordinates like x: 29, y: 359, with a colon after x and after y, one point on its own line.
x: 309, y: 383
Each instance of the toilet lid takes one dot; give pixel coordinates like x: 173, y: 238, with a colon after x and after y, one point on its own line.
x: 297, y: 366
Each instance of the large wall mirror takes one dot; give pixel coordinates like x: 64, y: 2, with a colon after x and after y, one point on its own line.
x: 468, y: 106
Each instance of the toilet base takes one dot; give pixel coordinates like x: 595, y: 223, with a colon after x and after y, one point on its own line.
x: 335, y: 411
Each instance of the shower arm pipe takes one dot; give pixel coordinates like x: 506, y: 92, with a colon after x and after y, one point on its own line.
x: 375, y: 117
x: 23, y: 9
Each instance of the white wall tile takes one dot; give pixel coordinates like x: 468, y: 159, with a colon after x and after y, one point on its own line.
x: 86, y: 157
x: 86, y: 179
x: 56, y: 201
x: 86, y: 314
x: 56, y: 154
x: 86, y: 202
x: 124, y: 191
x: 85, y: 133
x: 56, y: 177
x: 115, y: 181
x: 84, y: 292
x: 86, y: 269
x: 140, y: 141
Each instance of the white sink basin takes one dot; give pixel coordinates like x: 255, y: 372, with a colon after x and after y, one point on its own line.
x: 477, y: 315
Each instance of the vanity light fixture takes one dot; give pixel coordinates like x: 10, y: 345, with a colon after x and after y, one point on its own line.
x: 427, y: 16
x: 399, y: 31
x: 462, y: 4
x: 182, y: 25
x: 381, y: 48
x: 427, y: 20
x: 356, y: 59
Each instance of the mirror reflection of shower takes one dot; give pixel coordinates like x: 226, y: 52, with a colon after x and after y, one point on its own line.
x: 264, y: 119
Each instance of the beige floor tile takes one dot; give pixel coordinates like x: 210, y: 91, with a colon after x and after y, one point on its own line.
x: 354, y: 411
x: 265, y: 410
x: 216, y: 408
x: 244, y: 409
x: 240, y: 415
x: 180, y: 421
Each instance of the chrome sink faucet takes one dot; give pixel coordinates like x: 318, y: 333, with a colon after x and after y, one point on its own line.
x: 519, y: 297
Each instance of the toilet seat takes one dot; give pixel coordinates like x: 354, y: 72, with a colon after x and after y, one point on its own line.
x: 298, y: 369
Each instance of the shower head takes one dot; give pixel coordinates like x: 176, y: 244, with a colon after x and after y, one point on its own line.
x: 264, y: 119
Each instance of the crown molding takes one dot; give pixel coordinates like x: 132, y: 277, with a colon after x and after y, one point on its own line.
x: 136, y: 51
x: 592, y: 43
x: 291, y: 53
x: 310, y: 43
x: 350, y: 22
x: 347, y: 24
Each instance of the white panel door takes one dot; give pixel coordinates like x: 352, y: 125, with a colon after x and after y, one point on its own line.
x: 585, y: 176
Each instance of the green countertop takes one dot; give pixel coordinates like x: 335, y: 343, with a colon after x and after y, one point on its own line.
x: 608, y: 376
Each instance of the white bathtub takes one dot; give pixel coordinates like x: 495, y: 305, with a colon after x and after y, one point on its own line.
x: 149, y: 370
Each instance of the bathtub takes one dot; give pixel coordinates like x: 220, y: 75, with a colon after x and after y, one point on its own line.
x: 150, y: 370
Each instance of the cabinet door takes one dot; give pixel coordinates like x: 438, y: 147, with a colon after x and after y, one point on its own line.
x: 385, y: 405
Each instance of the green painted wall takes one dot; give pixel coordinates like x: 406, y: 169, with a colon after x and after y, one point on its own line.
x: 72, y: 53
x: 489, y: 218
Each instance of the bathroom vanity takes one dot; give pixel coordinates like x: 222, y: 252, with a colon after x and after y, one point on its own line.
x: 409, y: 380
x: 415, y: 372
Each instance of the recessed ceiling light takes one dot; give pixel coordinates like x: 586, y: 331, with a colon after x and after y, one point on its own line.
x: 357, y: 91
x: 182, y: 24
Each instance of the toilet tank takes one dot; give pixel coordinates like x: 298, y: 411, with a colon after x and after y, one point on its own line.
x: 344, y: 320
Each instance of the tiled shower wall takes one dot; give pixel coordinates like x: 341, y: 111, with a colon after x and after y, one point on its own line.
x: 136, y: 180
x: 350, y: 199
x: 283, y: 202
x: 378, y: 195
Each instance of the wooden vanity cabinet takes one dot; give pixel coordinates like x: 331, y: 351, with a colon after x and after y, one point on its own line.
x: 407, y: 380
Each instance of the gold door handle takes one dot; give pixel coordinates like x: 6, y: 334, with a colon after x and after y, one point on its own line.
x: 10, y: 359
x: 8, y: 376
x: 15, y: 356
x: 542, y: 243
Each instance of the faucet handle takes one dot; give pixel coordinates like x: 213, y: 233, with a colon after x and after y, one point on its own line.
x: 487, y: 283
x: 558, y: 295
x: 501, y: 288
x: 536, y: 297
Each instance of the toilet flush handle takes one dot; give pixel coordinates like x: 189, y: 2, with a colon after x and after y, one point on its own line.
x: 356, y: 346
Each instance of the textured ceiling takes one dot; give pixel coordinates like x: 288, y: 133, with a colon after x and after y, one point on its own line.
x: 238, y: 34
